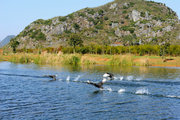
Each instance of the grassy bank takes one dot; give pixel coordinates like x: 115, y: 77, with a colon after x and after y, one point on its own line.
x: 89, y: 59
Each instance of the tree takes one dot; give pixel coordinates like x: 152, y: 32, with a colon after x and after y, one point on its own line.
x: 164, y: 49
x: 14, y: 44
x: 74, y: 41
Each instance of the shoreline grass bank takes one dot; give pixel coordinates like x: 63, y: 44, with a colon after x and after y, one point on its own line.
x: 91, y: 59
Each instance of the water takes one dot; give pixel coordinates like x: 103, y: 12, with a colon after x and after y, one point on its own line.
x: 142, y: 93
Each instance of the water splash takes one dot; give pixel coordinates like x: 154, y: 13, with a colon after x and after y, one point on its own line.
x: 139, y: 79
x: 77, y: 78
x: 68, y: 78
x: 121, y: 78
x: 129, y: 78
x: 108, y: 89
x: 173, y: 96
x: 143, y: 91
x: 121, y: 90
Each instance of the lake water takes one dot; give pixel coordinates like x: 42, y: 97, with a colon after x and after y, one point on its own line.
x: 136, y: 93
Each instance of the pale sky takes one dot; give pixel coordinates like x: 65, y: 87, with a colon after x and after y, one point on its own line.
x: 15, y: 15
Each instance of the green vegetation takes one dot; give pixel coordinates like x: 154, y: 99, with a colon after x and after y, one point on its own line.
x: 82, y: 14
x: 62, y: 19
x: 76, y: 26
x: 14, y: 44
x: 106, y: 25
x: 44, y: 22
x: 141, y: 50
x: 89, y: 59
x: 38, y: 35
x: 128, y: 28
x: 90, y: 11
x: 100, y: 12
x: 74, y: 41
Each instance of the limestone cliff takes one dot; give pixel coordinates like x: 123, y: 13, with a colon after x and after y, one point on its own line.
x: 125, y: 21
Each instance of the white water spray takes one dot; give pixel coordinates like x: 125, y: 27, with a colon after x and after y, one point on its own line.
x: 121, y: 90
x: 143, y: 91
x: 121, y: 78
x: 77, y: 78
x: 108, y: 89
x: 68, y: 78
x: 129, y: 78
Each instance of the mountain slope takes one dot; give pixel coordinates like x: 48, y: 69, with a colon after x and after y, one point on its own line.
x: 122, y: 21
x: 6, y: 40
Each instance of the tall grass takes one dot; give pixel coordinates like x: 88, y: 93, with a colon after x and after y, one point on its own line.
x: 89, y: 59
x: 73, y: 59
x: 122, y: 60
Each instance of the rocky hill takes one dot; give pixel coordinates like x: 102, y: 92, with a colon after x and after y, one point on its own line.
x: 125, y: 22
x: 6, y: 40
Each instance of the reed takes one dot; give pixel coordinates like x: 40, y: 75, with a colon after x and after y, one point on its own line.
x: 89, y: 59
x: 72, y: 59
x: 122, y: 60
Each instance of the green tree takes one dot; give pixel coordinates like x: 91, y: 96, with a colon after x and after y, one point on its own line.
x: 164, y: 49
x: 76, y: 26
x: 14, y: 44
x: 74, y: 41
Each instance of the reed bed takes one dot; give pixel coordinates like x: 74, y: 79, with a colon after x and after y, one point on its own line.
x: 90, y: 59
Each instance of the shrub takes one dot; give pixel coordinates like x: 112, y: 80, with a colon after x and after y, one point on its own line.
x: 39, y: 21
x: 124, y: 12
x: 82, y: 14
x: 71, y: 16
x: 76, y: 26
x: 106, y: 18
x: 47, y: 22
x: 142, y: 14
x: 38, y: 35
x: 100, y: 26
x: 62, y: 19
x: 91, y: 11
x: 100, y: 12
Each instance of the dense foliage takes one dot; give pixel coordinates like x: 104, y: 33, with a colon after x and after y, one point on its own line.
x: 14, y: 44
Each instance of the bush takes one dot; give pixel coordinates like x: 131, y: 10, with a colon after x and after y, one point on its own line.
x: 124, y: 12
x: 91, y: 11
x: 100, y: 12
x: 142, y: 14
x: 164, y: 50
x: 39, y: 21
x: 82, y: 14
x: 128, y: 28
x: 76, y: 26
x: 62, y: 19
x: 106, y: 18
x: 38, y: 35
x: 100, y: 27
x: 47, y: 22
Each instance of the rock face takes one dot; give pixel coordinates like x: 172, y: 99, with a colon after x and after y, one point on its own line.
x: 121, y: 21
x: 113, y: 6
x: 135, y: 15
x: 178, y: 37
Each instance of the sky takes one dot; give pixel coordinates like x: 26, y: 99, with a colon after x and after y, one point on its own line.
x: 15, y: 15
